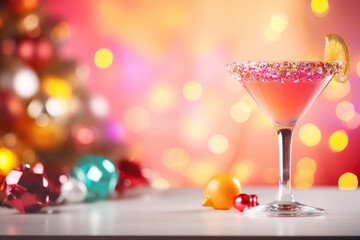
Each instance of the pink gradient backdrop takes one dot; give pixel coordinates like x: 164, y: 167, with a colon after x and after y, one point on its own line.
x: 168, y: 43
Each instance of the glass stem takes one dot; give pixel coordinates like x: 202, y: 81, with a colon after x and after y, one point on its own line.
x: 285, y: 137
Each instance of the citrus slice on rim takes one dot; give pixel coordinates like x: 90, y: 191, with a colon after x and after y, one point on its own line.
x: 336, y: 49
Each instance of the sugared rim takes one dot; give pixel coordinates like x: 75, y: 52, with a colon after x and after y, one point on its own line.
x: 272, y: 62
x: 283, y: 70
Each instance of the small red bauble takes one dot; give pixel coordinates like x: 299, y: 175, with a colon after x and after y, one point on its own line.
x: 26, y: 191
x: 130, y: 175
x: 242, y: 202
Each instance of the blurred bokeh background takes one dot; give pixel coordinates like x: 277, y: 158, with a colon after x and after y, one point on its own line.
x: 146, y: 80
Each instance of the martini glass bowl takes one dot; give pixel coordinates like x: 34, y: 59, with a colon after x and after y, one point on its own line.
x: 284, y: 91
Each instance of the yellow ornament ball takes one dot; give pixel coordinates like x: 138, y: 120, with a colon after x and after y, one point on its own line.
x: 220, y: 192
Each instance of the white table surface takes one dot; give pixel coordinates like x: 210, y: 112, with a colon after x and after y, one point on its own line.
x: 178, y: 211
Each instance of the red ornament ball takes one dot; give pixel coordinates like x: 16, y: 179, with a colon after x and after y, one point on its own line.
x: 242, y: 202
x: 54, y: 177
x: 130, y: 175
x: 26, y: 191
x: 35, y: 52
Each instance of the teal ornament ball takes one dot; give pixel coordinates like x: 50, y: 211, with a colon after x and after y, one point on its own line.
x: 99, y: 175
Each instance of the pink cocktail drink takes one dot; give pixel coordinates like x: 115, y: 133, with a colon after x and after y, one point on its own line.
x: 285, y: 102
x: 284, y: 91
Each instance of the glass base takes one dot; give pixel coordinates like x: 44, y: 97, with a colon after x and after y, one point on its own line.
x: 284, y: 209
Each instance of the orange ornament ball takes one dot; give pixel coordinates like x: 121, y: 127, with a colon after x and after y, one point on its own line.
x: 220, y: 191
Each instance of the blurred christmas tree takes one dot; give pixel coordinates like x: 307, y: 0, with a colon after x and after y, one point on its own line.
x: 46, y: 113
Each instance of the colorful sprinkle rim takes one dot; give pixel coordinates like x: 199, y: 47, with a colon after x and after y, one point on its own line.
x: 283, y: 71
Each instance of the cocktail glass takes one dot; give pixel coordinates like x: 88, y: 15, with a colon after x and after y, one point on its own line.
x: 284, y: 91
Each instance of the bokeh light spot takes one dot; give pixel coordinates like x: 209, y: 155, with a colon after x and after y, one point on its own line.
x: 240, y: 112
x: 35, y: 108
x: 241, y: 171
x: 192, y: 90
x: 26, y: 83
x: 162, y: 97
x: 271, y: 35
x: 201, y: 171
x: 63, y: 179
x: 358, y: 69
x: 56, y: 87
x: 345, y: 111
x: 304, y: 179
x: 61, y: 31
x: 338, y: 141
x: 348, y: 181
x: 353, y: 123
x: 320, y: 7
x: 194, y: 128
x: 306, y: 163
x: 279, y: 22
x: 271, y: 175
x: 103, y: 58
x: 8, y: 160
x: 83, y: 135
x: 218, y: 144
x: 160, y: 183
x: 31, y: 22
x: 175, y: 158
x: 10, y: 139
x: 99, y: 106
x: 137, y: 119
x: 310, y: 134
x: 56, y: 107
x: 42, y: 120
